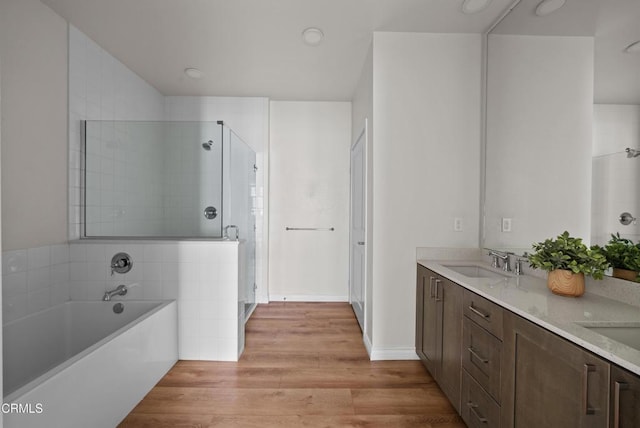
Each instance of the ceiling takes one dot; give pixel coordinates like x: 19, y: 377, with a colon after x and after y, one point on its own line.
x: 254, y: 47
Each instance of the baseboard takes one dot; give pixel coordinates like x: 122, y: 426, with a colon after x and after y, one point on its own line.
x: 307, y: 298
x: 393, y: 354
x: 367, y: 344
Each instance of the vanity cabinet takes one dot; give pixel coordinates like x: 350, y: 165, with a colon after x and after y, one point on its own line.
x: 624, y: 393
x: 481, y: 361
x: 501, y: 370
x: 439, y: 330
x: 548, y: 381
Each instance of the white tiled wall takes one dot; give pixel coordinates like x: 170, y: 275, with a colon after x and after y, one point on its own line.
x: 33, y: 280
x: 101, y: 88
x: 124, y: 178
x: 201, y: 275
x: 192, y: 178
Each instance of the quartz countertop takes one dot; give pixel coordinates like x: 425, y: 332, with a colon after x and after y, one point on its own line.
x: 529, y: 297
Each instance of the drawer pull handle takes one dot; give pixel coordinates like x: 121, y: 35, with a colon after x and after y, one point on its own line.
x: 431, y: 278
x: 479, y: 313
x: 472, y: 408
x: 478, y: 356
x: 619, y: 386
x: 586, y: 369
x: 437, y: 283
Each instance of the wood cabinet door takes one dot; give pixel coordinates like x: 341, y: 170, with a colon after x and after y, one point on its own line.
x: 431, y: 326
x: 550, y: 382
x: 625, y: 399
x: 450, y: 298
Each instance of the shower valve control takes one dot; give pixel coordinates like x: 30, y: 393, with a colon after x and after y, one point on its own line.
x: 627, y: 219
x: 210, y: 213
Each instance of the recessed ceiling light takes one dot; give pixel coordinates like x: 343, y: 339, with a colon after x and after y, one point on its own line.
x: 474, y: 6
x: 633, y: 47
x: 549, y: 6
x: 193, y: 73
x: 312, y: 36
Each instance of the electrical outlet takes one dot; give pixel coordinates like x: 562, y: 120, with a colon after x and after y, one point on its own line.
x: 457, y: 224
x: 506, y: 224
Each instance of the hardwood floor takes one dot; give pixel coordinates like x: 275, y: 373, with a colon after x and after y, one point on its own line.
x: 304, y: 365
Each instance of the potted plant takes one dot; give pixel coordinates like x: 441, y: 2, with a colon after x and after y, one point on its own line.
x: 624, y: 257
x: 568, y: 260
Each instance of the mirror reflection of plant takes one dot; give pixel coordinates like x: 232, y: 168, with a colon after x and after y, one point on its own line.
x: 622, y: 253
x: 569, y: 253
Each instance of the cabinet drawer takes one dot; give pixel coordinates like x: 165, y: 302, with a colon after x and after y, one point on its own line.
x: 482, y: 357
x: 478, y: 408
x: 487, y: 314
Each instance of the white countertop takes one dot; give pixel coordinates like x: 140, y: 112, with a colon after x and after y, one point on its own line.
x: 529, y: 297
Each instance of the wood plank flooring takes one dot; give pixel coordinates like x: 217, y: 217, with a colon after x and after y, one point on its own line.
x: 304, y: 365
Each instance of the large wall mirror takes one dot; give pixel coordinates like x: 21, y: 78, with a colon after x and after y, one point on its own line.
x: 563, y: 123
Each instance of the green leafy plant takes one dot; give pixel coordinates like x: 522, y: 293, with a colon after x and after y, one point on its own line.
x: 622, y: 253
x: 569, y: 253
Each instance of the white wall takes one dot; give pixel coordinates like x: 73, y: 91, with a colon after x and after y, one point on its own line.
x: 309, y: 187
x: 33, y: 44
x: 426, y: 151
x: 615, y: 177
x: 539, y: 136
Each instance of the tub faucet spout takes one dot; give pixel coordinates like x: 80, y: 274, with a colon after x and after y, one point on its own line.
x: 121, y: 290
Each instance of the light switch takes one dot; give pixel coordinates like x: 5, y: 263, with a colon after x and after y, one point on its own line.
x: 506, y: 224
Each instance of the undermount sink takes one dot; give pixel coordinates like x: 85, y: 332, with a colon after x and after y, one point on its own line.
x: 625, y: 334
x: 472, y: 271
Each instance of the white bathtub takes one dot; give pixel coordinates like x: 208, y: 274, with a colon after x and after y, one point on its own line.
x: 80, y: 364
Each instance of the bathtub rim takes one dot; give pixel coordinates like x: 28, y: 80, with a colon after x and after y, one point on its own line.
x: 66, y: 364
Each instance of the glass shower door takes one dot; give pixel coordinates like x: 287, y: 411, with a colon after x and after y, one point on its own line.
x: 241, y: 201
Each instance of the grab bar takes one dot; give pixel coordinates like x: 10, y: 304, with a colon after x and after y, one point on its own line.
x: 329, y: 229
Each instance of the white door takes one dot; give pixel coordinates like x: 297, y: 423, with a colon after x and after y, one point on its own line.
x: 357, y: 236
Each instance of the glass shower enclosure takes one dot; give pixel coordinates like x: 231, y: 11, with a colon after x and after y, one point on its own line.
x: 170, y: 180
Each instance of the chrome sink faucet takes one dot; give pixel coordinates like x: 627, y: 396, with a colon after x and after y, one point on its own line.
x: 506, y: 266
x: 495, y: 260
x: 519, y: 261
x: 121, y: 290
x: 497, y: 256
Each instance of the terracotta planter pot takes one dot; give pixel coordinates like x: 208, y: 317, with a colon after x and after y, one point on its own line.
x: 629, y: 275
x: 566, y: 283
